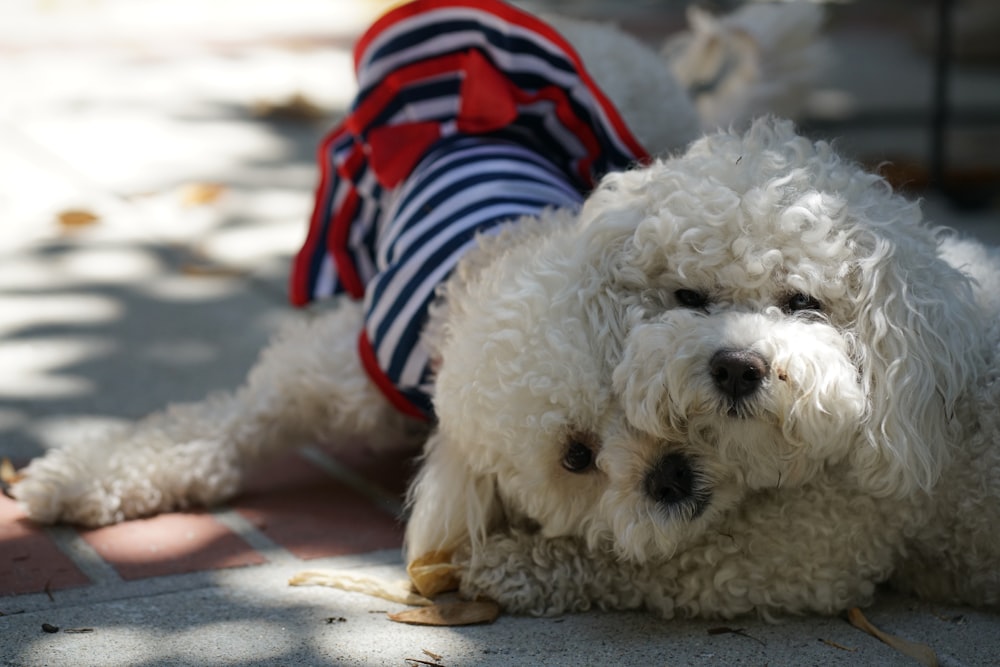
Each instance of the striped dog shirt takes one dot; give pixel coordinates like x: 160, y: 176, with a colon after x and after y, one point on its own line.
x: 470, y: 113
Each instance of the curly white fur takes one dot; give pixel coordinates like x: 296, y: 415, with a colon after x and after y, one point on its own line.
x: 851, y: 461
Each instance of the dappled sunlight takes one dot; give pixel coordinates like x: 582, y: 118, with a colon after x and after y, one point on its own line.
x: 32, y: 368
x: 181, y: 289
x: 56, y: 430
x: 247, y: 245
x: 171, y: 543
x: 266, y: 639
x: 153, y: 645
x: 107, y: 264
x: 19, y: 312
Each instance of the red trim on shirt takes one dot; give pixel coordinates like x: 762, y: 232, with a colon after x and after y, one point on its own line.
x: 299, y: 284
x: 370, y: 363
x: 517, y: 17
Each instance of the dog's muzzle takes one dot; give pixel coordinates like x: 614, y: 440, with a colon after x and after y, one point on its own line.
x: 674, y: 484
x: 737, y: 373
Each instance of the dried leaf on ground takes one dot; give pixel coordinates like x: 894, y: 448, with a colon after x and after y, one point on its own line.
x: 76, y: 217
x: 209, y: 270
x: 398, y: 591
x: 9, y: 474
x: 834, y: 644
x: 450, y: 614
x: 199, y: 194
x: 922, y: 653
x: 297, y: 107
x: 433, y: 573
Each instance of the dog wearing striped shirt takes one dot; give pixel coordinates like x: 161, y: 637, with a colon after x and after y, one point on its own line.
x: 469, y: 114
x: 743, y: 377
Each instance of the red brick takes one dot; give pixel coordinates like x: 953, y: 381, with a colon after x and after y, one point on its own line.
x: 30, y: 562
x: 390, y: 471
x: 170, y: 544
x: 296, y: 504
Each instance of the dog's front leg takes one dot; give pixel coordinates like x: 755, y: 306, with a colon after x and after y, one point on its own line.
x: 530, y: 574
x: 308, y: 386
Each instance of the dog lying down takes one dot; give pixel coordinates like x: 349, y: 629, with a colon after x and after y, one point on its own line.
x: 748, y: 377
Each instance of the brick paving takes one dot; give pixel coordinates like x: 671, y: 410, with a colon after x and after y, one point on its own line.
x: 311, y: 504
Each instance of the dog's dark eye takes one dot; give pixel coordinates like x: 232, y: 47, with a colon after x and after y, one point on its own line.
x: 689, y: 298
x: 578, y: 457
x: 800, y: 301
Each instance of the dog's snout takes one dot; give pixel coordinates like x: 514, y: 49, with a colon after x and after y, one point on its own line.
x: 737, y: 373
x: 671, y: 480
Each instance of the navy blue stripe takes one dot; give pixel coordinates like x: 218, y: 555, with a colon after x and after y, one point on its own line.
x: 446, y: 246
x: 479, y: 149
x: 418, y: 398
x: 497, y: 39
x: 445, y: 195
x: 420, y: 91
x: 454, y: 190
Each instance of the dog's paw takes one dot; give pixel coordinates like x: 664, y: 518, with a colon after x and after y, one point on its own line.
x: 92, y: 486
x: 538, y: 576
x: 53, y: 489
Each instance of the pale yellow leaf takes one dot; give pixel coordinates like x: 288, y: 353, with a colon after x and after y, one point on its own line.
x: 433, y: 573
x: 394, y: 591
x: 450, y: 614
x: 922, y: 653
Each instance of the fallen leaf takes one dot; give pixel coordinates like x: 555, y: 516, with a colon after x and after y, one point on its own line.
x: 450, y: 614
x: 392, y: 591
x: 76, y: 217
x: 433, y: 573
x: 199, y: 194
x: 8, y: 474
x: 297, y: 107
x: 922, y: 653
x: 836, y: 645
x: 208, y: 270
x: 431, y: 654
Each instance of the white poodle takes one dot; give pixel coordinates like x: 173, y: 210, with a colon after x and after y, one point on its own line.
x: 745, y: 378
x: 748, y: 378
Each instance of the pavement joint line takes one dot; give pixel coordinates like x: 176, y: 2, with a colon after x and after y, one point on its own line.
x: 71, y: 542
x: 382, y: 498
x: 249, y: 533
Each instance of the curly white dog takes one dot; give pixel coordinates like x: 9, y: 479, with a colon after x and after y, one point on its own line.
x: 748, y: 378
x: 745, y: 378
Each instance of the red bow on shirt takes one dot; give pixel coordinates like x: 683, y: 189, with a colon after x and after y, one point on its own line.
x: 488, y: 102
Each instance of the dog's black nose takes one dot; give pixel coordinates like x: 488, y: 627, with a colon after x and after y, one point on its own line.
x: 737, y: 373
x: 671, y: 480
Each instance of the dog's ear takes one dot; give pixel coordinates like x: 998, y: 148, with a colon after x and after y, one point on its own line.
x: 920, y: 342
x: 450, y: 505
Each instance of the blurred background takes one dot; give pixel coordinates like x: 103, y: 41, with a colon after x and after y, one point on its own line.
x: 157, y: 168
